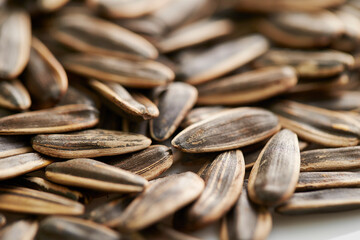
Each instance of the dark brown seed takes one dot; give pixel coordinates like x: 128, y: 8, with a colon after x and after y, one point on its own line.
x: 247, y: 220
x: 318, y: 125
x: 320, y: 180
x: 162, y: 198
x: 195, y: 33
x: 60, y: 228
x: 25, y: 200
x: 91, y: 174
x: 89, y: 143
x: 110, y: 210
x: 46, y: 186
x: 223, y: 180
x: 94, y: 35
x: 15, y: 42
x: 135, y: 104
x: 330, y: 159
x: 222, y: 58
x: 13, y: 145
x: 130, y: 73
x: 2, y: 220
x: 201, y: 113
x: 322, y: 201
x: 303, y: 29
x: 247, y: 87
x: 275, y: 173
x: 174, y: 103
x: 127, y: 9
x: 20, y: 164
x: 13, y: 95
x: 45, y: 78
x: 53, y: 120
x: 286, y: 5
x: 228, y: 130
x: 19, y: 230
x: 313, y: 64
x: 148, y: 163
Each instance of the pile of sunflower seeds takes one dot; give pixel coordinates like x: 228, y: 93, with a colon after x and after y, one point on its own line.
x: 153, y: 119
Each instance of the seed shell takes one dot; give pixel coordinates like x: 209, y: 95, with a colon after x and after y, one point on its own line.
x: 275, y: 173
x: 19, y: 230
x: 236, y: 128
x: 200, y: 113
x: 91, y: 174
x: 89, y: 143
x: 14, y: 145
x: 13, y: 95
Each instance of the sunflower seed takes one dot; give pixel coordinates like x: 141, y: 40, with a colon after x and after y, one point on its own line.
x: 174, y: 103
x: 222, y: 58
x: 275, y: 173
x: 315, y: 64
x: 135, y: 104
x: 130, y: 73
x: 247, y: 87
x: 58, y: 228
x: 318, y: 125
x: 223, y: 180
x: 13, y: 145
x: 89, y: 143
x: 25, y: 200
x: 320, y: 180
x: 162, y: 198
x: 322, y: 201
x: 20, y: 230
x: 247, y: 220
x: 200, y: 113
x: 195, y: 33
x: 20, y: 164
x: 15, y: 40
x: 148, y: 163
x: 94, y: 35
x: 52, y: 120
x: 45, y: 78
x: 13, y: 95
x: 91, y: 174
x: 46, y: 186
x: 234, y: 128
x: 330, y: 159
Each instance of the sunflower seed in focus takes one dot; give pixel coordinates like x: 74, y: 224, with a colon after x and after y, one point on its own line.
x: 89, y: 143
x: 20, y: 230
x: 236, y: 128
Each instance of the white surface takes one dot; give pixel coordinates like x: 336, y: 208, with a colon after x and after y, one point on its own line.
x: 334, y: 226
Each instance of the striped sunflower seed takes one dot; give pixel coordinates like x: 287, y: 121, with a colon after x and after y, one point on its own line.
x: 330, y: 159
x: 248, y: 87
x: 148, y: 163
x: 25, y: 200
x: 118, y: 98
x: 52, y: 120
x: 275, y: 173
x: 247, y: 220
x: 318, y: 125
x: 223, y: 180
x: 20, y: 164
x: 130, y: 73
x: 320, y: 180
x: 162, y: 198
x: 59, y: 228
x: 94, y: 35
x: 314, y: 64
x: 45, y: 78
x: 174, y: 103
x: 15, y: 42
x: 89, y: 143
x: 91, y: 174
x: 20, y: 230
x: 222, y: 58
x: 322, y: 201
x: 13, y: 95
x: 227, y: 130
